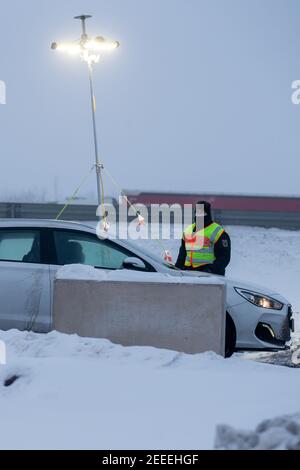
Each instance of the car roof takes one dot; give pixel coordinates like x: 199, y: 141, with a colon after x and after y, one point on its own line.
x: 44, y: 223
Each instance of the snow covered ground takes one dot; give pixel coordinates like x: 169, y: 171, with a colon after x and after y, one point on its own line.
x: 88, y: 393
x: 75, y: 392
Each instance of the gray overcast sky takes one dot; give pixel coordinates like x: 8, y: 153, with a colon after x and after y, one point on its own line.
x: 197, y: 98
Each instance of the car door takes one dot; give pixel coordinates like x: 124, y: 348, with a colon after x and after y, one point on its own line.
x: 24, y: 281
x: 73, y: 247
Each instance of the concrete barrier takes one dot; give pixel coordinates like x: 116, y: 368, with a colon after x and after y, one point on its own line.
x: 183, y: 316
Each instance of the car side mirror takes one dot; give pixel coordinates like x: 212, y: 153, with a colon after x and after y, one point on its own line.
x: 133, y: 263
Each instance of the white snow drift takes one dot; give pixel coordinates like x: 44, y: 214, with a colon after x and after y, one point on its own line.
x: 75, y: 392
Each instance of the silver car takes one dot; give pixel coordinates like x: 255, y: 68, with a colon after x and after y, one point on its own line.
x: 31, y: 251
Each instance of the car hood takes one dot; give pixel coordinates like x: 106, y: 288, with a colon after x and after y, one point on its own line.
x: 232, y: 283
x: 251, y: 286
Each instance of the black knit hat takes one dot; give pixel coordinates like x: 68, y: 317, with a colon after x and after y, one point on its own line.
x: 207, y: 209
x: 206, y: 205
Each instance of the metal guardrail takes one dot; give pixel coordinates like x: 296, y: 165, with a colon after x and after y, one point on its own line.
x: 46, y: 211
x: 283, y: 220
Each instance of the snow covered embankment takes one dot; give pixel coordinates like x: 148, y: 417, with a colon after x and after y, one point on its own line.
x: 85, y: 393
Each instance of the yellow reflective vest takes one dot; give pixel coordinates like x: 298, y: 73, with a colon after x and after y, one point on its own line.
x: 200, y: 245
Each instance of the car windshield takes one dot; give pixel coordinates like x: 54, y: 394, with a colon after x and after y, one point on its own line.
x: 157, y: 259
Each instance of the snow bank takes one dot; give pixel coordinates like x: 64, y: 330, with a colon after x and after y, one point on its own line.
x: 282, y: 433
x: 91, y: 394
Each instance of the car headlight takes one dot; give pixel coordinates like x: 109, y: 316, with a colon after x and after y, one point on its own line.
x: 259, y: 300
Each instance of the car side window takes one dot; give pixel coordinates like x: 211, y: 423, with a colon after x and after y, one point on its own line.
x: 20, y: 245
x: 72, y: 247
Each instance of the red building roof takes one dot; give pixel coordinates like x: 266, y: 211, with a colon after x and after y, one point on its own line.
x: 226, y: 202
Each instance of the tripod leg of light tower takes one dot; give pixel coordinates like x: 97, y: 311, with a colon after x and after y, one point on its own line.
x: 98, y: 164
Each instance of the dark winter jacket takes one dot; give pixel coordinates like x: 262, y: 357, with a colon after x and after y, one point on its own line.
x: 222, y: 250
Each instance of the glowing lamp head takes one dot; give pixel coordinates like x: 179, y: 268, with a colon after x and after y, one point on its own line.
x: 89, y: 49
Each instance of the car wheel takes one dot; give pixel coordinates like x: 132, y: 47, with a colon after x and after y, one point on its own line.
x: 230, y: 336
